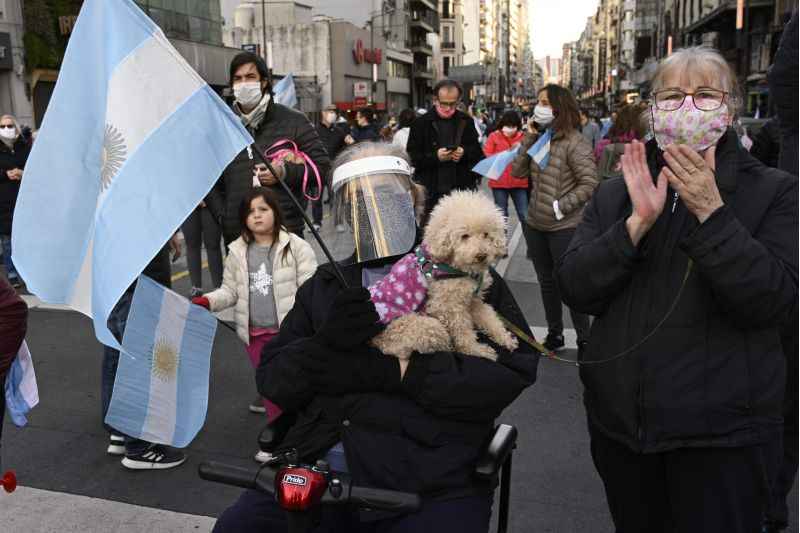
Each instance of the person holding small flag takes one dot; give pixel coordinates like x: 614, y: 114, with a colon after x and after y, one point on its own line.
x: 13, y: 325
x: 563, y: 176
x: 508, y: 135
x: 263, y: 270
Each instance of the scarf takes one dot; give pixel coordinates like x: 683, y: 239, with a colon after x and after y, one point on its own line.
x: 253, y: 119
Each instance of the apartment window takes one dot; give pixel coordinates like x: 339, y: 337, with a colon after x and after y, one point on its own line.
x: 446, y: 65
x: 396, y: 69
x: 446, y: 34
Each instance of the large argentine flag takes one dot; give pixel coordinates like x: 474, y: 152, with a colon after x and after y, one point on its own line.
x: 21, y: 391
x: 131, y: 142
x: 493, y: 166
x: 161, y: 390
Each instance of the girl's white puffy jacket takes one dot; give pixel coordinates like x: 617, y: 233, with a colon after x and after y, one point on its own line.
x: 287, y: 276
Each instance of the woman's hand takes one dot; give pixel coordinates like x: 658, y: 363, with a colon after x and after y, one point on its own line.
x: 692, y: 176
x: 647, y: 198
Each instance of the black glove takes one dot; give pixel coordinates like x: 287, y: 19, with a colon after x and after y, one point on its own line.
x: 351, y: 321
x: 334, y: 372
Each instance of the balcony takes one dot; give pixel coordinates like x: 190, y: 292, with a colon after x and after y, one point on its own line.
x: 425, y: 19
x: 423, y: 72
x: 448, y: 45
x: 420, y: 46
x: 430, y: 4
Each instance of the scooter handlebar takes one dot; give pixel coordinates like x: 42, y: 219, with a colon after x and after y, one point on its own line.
x: 247, y: 478
x: 339, y: 490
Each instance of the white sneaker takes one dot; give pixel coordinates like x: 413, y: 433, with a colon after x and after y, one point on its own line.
x: 263, y: 457
x: 116, y: 445
x: 257, y: 406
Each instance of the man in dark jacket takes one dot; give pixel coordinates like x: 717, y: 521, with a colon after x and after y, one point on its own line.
x: 444, y: 146
x: 332, y: 137
x: 13, y: 326
x: 783, y: 83
x: 268, y: 122
x: 14, y: 150
x: 418, y: 426
x: 365, y: 130
x: 684, y: 372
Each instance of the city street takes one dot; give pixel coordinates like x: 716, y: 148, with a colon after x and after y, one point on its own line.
x: 68, y: 483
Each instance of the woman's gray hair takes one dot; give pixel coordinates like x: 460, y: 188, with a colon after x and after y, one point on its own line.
x: 700, y: 66
x: 369, y: 149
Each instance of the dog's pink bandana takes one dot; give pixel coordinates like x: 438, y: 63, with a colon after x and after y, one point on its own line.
x: 402, y: 291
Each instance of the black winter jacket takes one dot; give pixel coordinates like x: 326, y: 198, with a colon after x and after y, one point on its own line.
x: 280, y: 122
x: 333, y: 139
x: 9, y: 189
x: 368, y: 133
x: 713, y: 374
x: 423, y: 143
x: 783, y: 86
x: 425, y: 439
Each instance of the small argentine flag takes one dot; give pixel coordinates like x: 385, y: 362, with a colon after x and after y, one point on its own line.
x: 540, y: 151
x: 284, y: 91
x: 132, y: 141
x: 22, y: 393
x: 161, y: 390
x: 493, y: 166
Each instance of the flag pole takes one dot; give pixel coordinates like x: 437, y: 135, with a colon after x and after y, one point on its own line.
x: 336, y: 269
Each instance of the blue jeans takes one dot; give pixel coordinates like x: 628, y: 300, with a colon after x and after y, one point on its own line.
x: 11, y: 272
x: 518, y: 196
x: 116, y: 324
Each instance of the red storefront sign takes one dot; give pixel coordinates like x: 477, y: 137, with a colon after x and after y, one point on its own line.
x: 366, y: 55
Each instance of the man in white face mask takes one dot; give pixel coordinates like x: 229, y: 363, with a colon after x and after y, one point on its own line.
x: 268, y: 122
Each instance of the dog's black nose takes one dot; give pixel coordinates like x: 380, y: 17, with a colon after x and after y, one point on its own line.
x: 481, y: 257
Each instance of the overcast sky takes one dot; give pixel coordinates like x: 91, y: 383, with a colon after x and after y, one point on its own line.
x: 555, y: 22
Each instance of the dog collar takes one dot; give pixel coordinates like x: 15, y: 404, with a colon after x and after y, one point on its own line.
x: 433, y: 270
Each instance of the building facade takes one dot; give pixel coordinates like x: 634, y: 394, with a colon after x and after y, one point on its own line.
x: 194, y: 29
x: 15, y: 94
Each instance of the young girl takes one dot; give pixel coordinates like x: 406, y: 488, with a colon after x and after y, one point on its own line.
x: 263, y: 270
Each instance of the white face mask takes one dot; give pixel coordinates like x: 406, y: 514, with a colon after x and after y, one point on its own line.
x: 542, y: 114
x: 8, y: 133
x: 248, y: 93
x: 509, y: 131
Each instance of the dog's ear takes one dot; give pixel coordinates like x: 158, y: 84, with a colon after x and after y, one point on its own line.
x: 439, y: 239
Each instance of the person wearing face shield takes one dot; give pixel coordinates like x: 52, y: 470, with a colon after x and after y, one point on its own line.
x: 332, y: 136
x: 268, y: 122
x: 417, y: 426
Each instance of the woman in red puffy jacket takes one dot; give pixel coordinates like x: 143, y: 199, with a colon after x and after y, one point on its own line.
x: 507, y: 135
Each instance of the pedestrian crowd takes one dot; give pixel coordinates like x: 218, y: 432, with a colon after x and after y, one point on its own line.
x: 673, y: 247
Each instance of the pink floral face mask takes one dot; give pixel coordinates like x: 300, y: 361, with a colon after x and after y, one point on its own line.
x: 690, y: 126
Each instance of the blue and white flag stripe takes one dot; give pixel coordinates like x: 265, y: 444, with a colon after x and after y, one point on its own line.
x: 285, y: 92
x: 540, y: 151
x: 120, y: 171
x: 21, y: 391
x: 493, y: 166
x: 161, y: 391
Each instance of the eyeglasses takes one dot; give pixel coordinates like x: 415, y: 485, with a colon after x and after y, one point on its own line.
x: 7, y: 126
x: 704, y: 99
x: 449, y: 105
